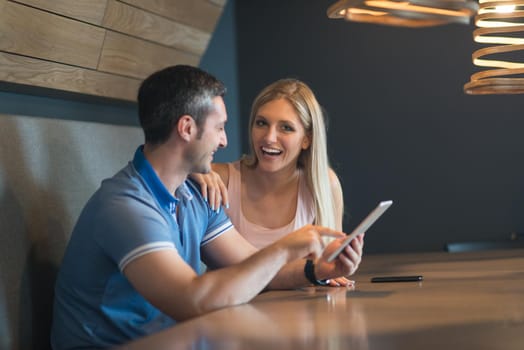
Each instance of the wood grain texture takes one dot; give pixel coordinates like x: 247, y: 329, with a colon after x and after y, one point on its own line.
x: 137, y: 58
x: 28, y: 31
x: 91, y: 11
x: 220, y: 3
x: 201, y: 14
x: 101, y: 47
x: 35, y: 72
x: 467, y: 301
x: 136, y: 22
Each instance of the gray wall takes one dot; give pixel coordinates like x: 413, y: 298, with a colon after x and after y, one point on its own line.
x: 400, y: 126
x: 221, y: 60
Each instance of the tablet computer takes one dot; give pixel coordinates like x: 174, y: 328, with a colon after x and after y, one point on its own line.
x: 362, y: 227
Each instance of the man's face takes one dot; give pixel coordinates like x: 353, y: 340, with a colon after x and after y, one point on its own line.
x: 212, y: 136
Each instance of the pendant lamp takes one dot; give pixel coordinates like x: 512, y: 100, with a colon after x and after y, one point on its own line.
x: 500, y: 24
x: 406, y: 13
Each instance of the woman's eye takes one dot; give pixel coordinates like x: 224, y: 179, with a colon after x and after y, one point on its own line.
x: 260, y: 123
x: 287, y: 128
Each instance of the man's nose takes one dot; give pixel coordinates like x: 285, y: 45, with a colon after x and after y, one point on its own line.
x: 223, y: 140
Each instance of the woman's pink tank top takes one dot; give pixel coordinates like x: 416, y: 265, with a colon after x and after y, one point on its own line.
x: 261, y: 236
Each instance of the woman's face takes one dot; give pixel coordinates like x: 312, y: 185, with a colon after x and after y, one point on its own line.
x: 278, y: 136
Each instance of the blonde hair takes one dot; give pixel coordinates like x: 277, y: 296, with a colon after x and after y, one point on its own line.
x: 314, y: 160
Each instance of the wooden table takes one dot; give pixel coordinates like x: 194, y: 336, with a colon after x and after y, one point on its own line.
x: 466, y: 301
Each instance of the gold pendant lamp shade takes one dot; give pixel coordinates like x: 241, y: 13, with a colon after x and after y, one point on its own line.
x: 501, y: 24
x: 412, y: 13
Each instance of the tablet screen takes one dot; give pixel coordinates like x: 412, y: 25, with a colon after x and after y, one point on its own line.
x: 363, y: 226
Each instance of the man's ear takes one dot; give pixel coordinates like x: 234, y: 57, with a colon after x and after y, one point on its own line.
x: 186, y: 127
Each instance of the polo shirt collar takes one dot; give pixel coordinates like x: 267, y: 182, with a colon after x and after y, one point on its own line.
x: 165, y: 199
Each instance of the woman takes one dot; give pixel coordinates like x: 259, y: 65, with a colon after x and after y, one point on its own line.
x: 285, y: 182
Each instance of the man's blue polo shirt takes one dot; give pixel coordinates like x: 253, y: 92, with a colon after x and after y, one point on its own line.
x: 132, y: 214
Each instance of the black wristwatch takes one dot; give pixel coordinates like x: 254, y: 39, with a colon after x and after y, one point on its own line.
x: 309, y: 271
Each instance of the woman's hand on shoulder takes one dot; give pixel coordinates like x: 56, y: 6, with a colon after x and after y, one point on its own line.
x: 213, y: 188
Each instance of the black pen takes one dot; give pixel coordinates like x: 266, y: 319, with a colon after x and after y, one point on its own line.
x: 416, y: 278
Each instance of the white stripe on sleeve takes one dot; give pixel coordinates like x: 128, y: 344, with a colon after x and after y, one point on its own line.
x: 216, y: 232
x: 142, y: 250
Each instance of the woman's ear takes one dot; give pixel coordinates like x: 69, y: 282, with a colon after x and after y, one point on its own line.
x: 306, y: 142
x: 186, y: 127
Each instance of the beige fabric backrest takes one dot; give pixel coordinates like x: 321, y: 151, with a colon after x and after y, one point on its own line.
x: 48, y: 170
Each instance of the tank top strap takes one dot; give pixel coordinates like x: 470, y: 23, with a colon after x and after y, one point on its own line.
x: 233, y: 189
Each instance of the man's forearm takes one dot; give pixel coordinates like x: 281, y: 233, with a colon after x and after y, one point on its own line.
x: 241, y: 282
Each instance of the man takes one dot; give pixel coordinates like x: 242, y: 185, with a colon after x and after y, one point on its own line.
x: 131, y: 267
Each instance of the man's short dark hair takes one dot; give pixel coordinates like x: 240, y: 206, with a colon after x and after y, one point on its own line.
x: 172, y: 92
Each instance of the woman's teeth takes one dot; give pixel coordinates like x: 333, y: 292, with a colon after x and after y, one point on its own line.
x: 271, y: 151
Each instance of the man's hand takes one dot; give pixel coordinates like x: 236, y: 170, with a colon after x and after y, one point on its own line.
x: 306, y: 242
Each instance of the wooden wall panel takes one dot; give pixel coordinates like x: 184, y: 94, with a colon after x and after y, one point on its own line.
x: 28, y: 31
x: 35, y: 72
x: 91, y: 11
x: 136, y: 58
x: 136, y: 22
x: 220, y: 3
x: 201, y: 14
x: 101, y: 47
